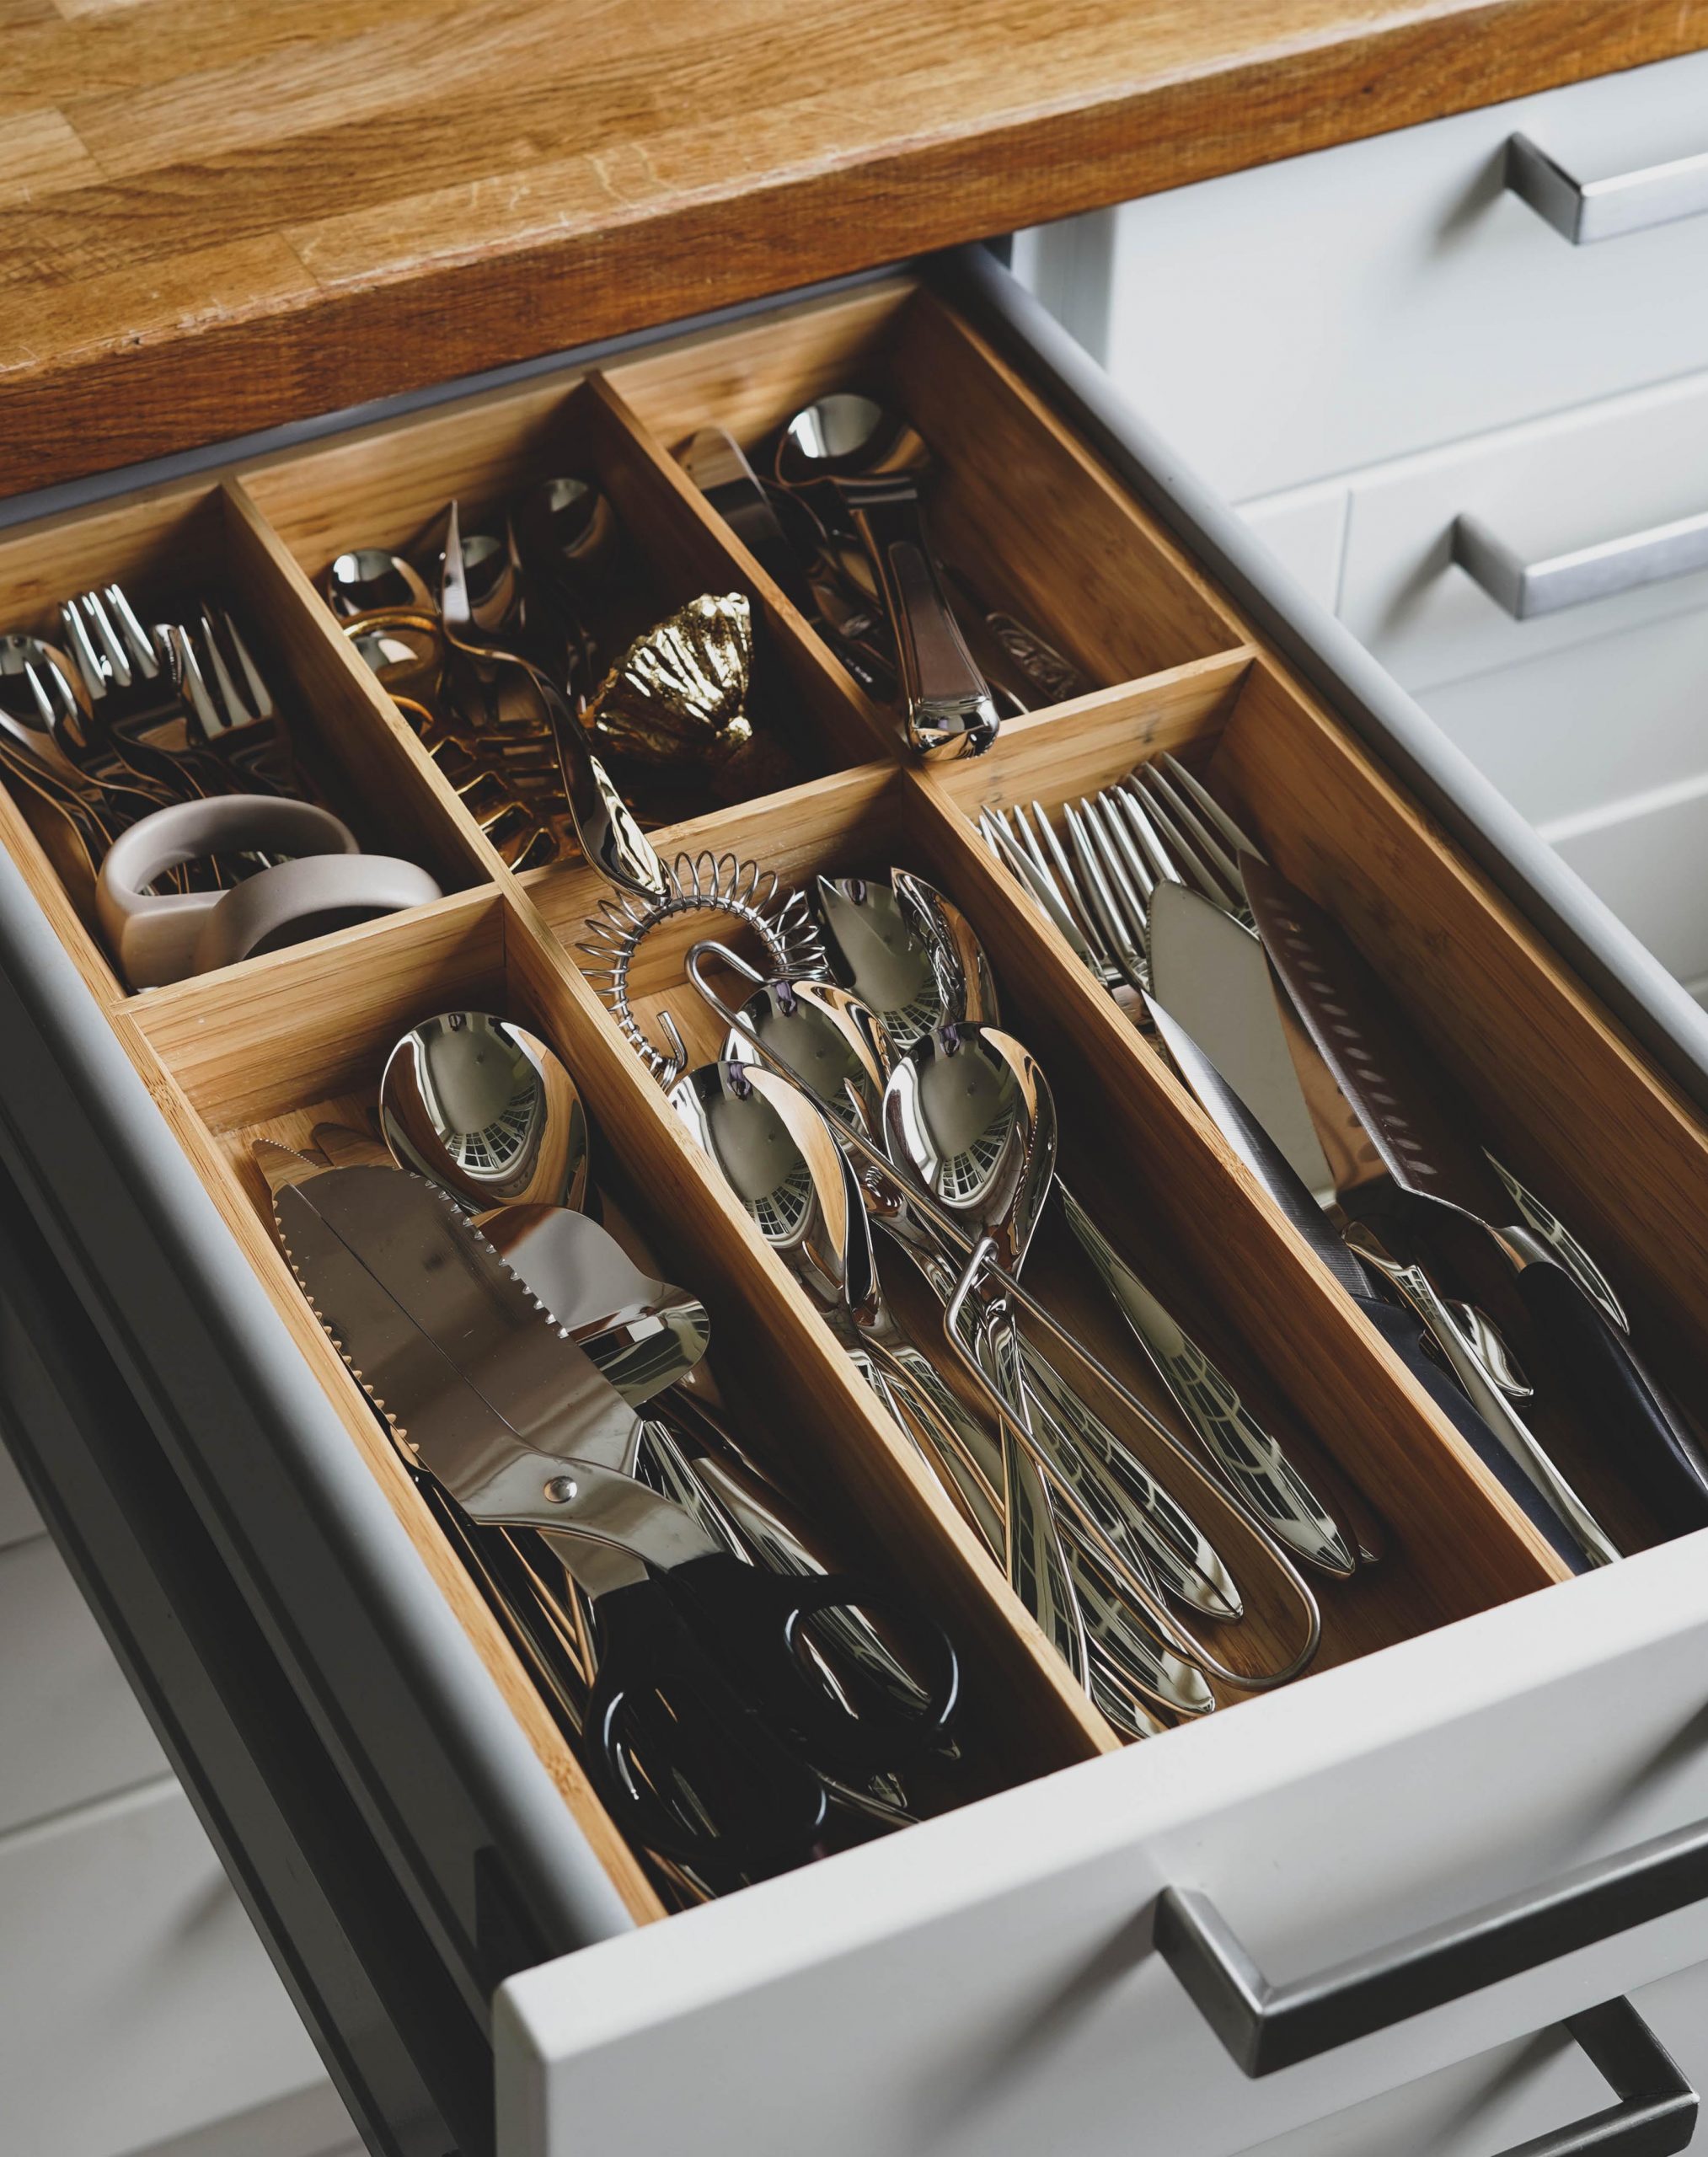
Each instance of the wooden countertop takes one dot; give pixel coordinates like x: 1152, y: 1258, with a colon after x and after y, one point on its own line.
x: 219, y: 214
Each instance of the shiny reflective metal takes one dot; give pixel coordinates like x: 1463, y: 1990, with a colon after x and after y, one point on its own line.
x: 677, y: 696
x: 1526, y: 590
x: 875, y: 462
x: 956, y: 1240
x: 1253, y: 1466
x: 606, y: 832
x: 367, y: 580
x: 1267, y: 2026
x: 486, y: 1111
x: 745, y: 894
x: 1586, y: 210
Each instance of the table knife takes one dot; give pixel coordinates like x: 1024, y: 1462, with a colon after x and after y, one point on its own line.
x: 1396, y: 1323
x: 1430, y: 1167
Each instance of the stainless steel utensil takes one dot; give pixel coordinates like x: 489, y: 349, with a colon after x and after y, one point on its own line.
x: 608, y: 835
x: 485, y: 1110
x: 875, y: 462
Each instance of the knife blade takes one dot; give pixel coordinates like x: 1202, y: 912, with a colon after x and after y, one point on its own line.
x: 1413, y: 1117
x: 426, y: 1345
x: 1397, y: 1323
x: 1211, y: 973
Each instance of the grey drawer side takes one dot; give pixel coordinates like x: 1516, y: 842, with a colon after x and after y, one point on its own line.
x: 1636, y: 987
x: 406, y: 1717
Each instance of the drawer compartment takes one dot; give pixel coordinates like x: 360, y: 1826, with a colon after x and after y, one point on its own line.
x: 288, y: 1039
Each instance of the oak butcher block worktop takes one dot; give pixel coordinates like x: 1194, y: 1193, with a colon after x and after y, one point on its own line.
x: 219, y: 214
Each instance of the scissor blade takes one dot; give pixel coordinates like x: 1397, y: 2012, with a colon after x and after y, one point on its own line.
x: 439, y: 1295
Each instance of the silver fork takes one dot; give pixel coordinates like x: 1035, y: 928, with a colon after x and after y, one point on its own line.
x: 114, y: 654
x: 1185, y: 832
x: 214, y: 676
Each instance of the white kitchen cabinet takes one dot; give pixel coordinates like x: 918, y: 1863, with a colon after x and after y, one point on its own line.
x: 139, y: 2004
x: 1334, y: 311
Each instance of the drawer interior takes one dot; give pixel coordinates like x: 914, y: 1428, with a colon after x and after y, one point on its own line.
x: 292, y: 1038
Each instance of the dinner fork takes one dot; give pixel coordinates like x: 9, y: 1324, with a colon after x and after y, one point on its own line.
x: 1178, y: 830
x: 115, y: 656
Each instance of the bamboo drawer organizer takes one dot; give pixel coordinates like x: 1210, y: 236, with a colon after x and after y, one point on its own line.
x: 272, y: 1045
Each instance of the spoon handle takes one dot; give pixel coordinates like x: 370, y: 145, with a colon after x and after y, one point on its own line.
x: 949, y: 709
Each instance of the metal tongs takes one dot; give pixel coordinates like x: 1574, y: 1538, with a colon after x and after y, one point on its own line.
x: 707, y: 1734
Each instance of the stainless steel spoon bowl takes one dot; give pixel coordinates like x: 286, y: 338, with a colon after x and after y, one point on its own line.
x: 486, y: 1111
x: 366, y: 578
x: 876, y: 460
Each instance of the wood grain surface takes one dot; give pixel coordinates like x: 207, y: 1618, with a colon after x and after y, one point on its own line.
x: 216, y: 215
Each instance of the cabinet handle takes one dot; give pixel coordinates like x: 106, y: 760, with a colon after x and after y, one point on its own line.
x: 1656, y: 2114
x: 1266, y: 2026
x: 1527, y: 589
x: 1590, y: 209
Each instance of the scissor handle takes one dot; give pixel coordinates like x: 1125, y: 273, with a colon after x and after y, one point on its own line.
x: 686, y: 1761
x: 753, y: 1621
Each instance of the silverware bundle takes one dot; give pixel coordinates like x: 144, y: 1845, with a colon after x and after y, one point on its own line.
x: 1317, y: 1079
x: 840, y: 523
x: 877, y: 1089
x: 554, y: 1393
x: 553, y: 710
x: 116, y: 720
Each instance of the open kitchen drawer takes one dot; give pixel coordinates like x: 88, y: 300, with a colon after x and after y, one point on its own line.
x: 412, y: 1830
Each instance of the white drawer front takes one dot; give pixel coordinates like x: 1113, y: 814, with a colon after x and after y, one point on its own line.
x: 70, y: 1727
x: 986, y: 1984
x: 1649, y: 861
x: 1591, y: 726
x: 1600, y: 474
x: 1335, y: 310
x: 139, y: 2004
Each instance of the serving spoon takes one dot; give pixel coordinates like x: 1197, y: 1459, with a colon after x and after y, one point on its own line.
x: 874, y: 461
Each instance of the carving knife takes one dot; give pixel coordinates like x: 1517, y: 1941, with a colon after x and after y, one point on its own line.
x: 1397, y: 1324
x: 1432, y: 1168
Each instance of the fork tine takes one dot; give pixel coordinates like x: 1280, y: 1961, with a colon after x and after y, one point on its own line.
x: 1041, y: 835
x: 1139, y: 872
x: 83, y: 652
x: 260, y: 697
x: 1127, y: 896
x: 116, y: 667
x: 137, y: 639
x: 1208, y: 841
x: 1127, y: 889
x: 192, y: 687
x: 1186, y: 855
x: 234, y: 712
x: 1136, y: 816
x: 1127, y: 957
x: 1236, y: 841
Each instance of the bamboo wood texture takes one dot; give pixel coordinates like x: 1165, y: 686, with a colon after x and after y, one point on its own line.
x: 215, y: 216
x: 267, y: 1046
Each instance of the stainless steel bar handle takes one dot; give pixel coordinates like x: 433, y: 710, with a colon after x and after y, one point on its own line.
x: 1586, y: 210
x: 1266, y: 2026
x: 1528, y: 589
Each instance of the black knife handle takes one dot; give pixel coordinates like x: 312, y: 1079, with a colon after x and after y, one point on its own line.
x: 1406, y: 1337
x: 1599, y: 1371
